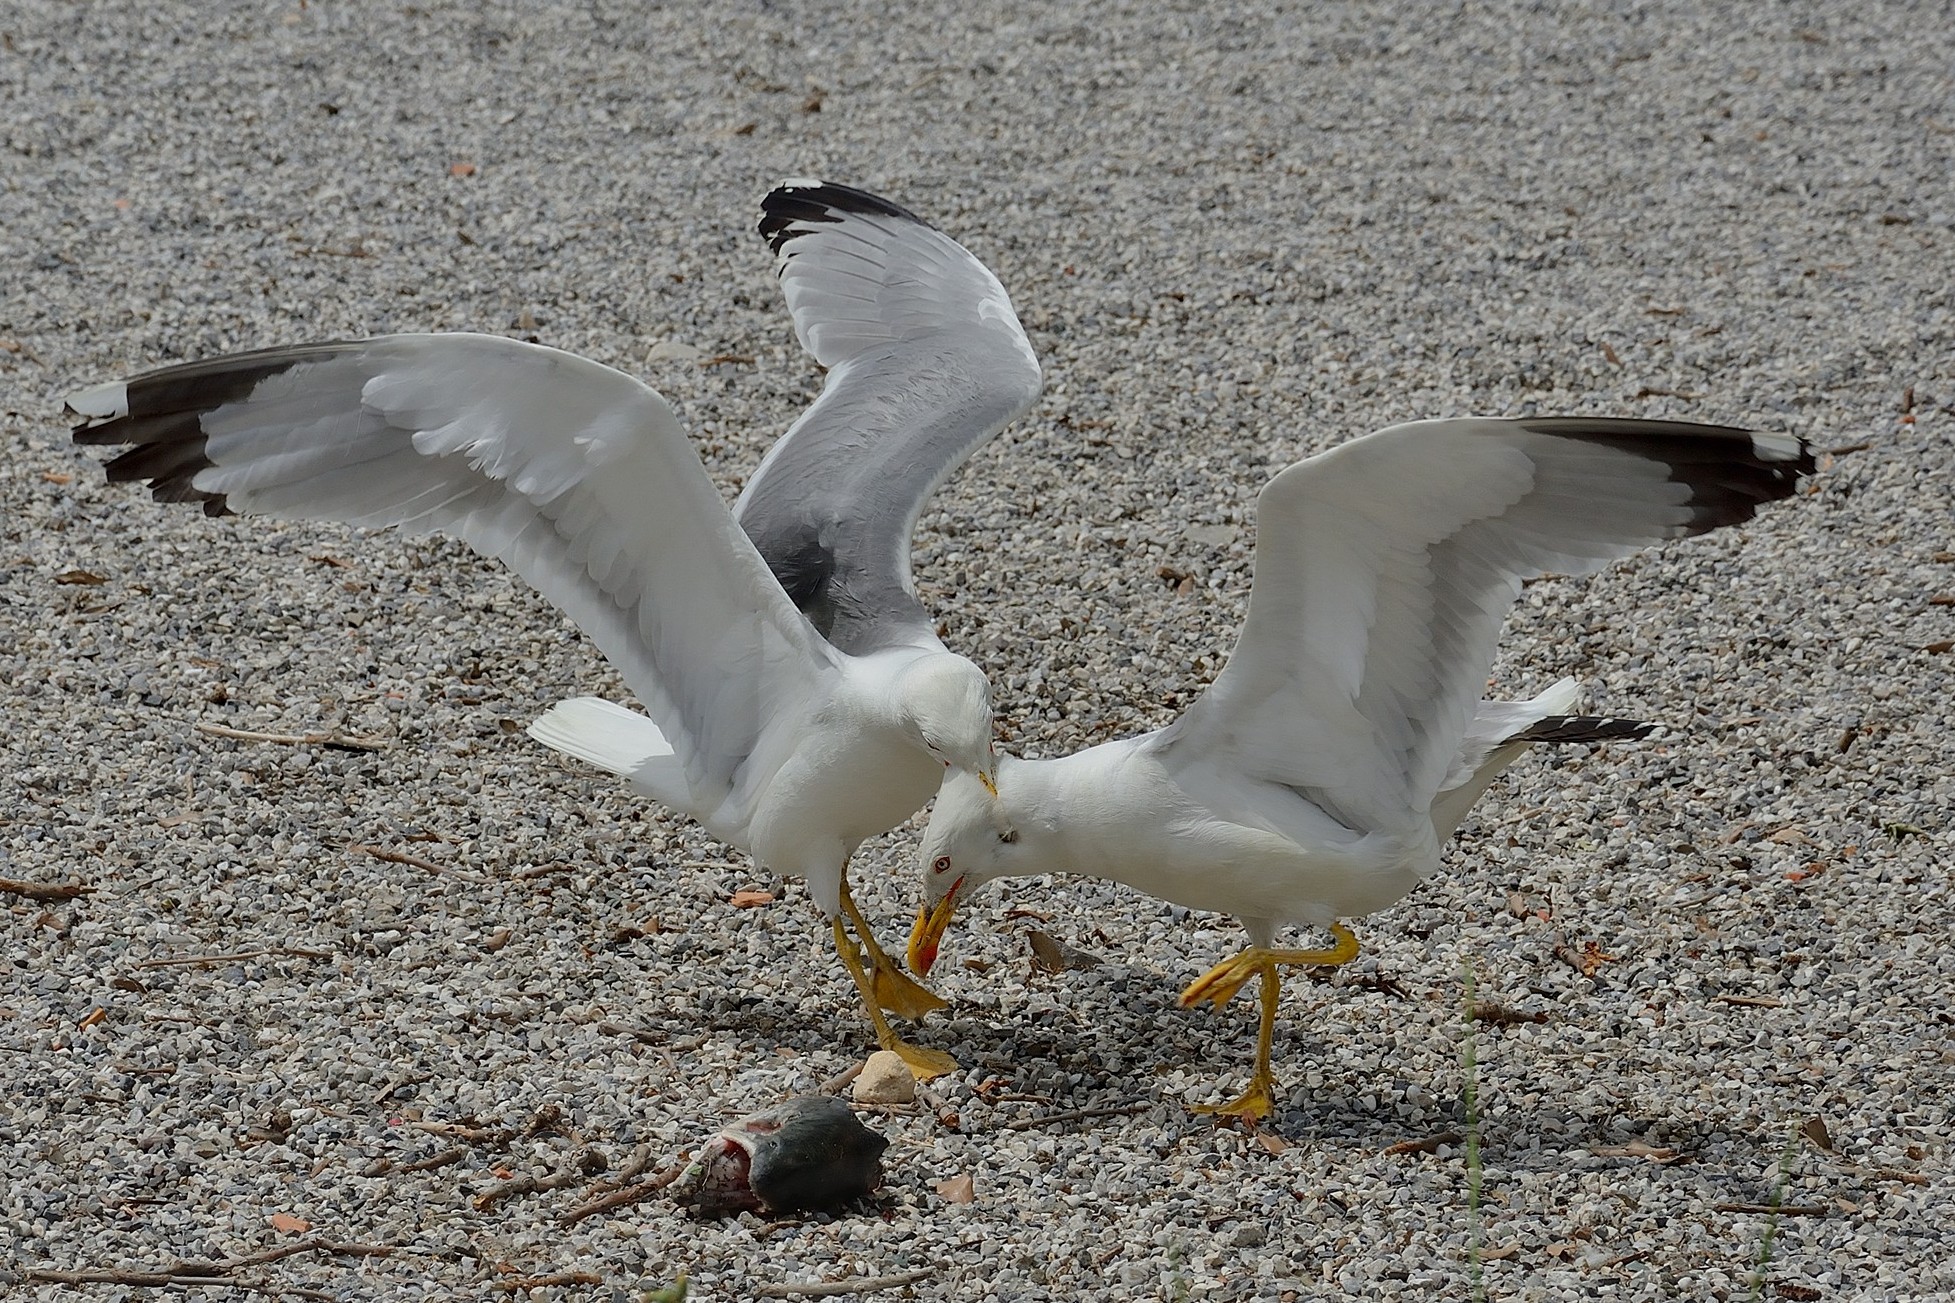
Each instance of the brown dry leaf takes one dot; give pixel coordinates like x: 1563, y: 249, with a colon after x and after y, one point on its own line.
x: 1801, y: 1293
x: 1937, y: 648
x: 1495, y: 1255
x: 1017, y: 912
x: 88, y: 577
x: 1815, y: 1130
x: 1661, y: 1155
x: 1591, y: 958
x: 1806, y: 874
x: 289, y: 1224
x: 1788, y: 836
x: 1430, y: 1145
x: 957, y: 1189
x: 461, y: 169
x: 1051, y: 955
x: 752, y: 899
x: 1275, y: 1144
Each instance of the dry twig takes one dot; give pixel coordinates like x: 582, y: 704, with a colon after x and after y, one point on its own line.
x: 412, y: 861
x: 337, y: 740
x: 620, y: 1198
x: 204, y: 961
x: 44, y: 890
x: 211, y: 1273
x: 1430, y: 1145
x: 442, y: 1159
x: 839, y: 1288
x: 521, y: 1283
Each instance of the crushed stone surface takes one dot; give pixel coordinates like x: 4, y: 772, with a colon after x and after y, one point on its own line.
x: 1236, y: 234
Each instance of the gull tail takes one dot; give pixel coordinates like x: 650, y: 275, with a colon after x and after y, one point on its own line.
x: 1501, y: 730
x: 615, y: 739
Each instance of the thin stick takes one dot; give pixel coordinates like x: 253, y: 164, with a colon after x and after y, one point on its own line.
x: 395, y: 857
x: 1430, y: 1145
x: 544, y: 1282
x: 525, y: 1185
x: 44, y: 890
x: 628, y: 1195
x: 839, y: 1288
x: 208, y: 1273
x: 338, y: 740
x: 196, y: 961
x: 468, y: 1135
x: 413, y: 861
x: 442, y: 1159
x: 1077, y: 1115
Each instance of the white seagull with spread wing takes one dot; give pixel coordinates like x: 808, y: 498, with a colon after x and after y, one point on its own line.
x: 1345, y: 740
x: 791, y: 733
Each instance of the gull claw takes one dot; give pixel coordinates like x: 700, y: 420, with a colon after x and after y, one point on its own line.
x: 924, y: 1063
x: 1253, y: 1105
x: 1220, y: 983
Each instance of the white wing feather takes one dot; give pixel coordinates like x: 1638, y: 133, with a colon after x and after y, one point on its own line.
x: 1385, y: 567
x: 577, y: 476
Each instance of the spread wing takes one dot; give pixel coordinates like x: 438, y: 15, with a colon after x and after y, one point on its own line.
x: 1385, y: 567
x: 577, y: 476
x: 926, y: 360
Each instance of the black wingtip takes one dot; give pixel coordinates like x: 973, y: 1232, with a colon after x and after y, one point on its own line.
x: 161, y: 428
x: 820, y: 202
x: 1731, y: 471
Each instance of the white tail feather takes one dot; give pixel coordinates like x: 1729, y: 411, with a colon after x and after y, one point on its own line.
x: 1483, y: 755
x: 613, y: 738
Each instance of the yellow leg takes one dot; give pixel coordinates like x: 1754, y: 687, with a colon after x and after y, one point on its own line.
x: 1219, y: 985
x: 890, y: 986
x: 924, y: 1063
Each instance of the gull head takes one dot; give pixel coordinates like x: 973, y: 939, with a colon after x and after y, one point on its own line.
x: 973, y: 837
x: 947, y: 700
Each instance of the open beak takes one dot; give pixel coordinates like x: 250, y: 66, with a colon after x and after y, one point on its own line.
x: 928, y: 931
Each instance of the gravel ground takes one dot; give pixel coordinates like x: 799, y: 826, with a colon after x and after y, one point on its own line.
x: 1236, y: 236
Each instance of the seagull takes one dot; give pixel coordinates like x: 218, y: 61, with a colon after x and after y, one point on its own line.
x: 798, y: 698
x: 1317, y: 777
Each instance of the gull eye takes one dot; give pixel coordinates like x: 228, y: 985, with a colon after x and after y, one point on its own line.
x: 1008, y: 836
x: 941, y: 864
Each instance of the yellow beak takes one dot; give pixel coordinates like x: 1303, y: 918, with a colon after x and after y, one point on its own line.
x: 989, y: 786
x: 928, y: 931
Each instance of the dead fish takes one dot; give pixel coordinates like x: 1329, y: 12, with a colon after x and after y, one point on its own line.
x: 810, y: 1152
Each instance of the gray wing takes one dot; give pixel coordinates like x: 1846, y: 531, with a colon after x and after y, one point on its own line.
x: 1386, y: 566
x: 575, y: 475
x: 926, y: 360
